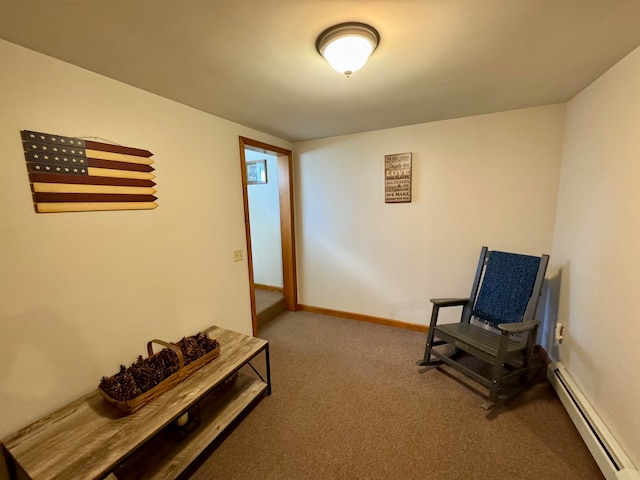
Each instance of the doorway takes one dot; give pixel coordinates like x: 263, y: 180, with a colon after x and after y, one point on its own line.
x: 287, y: 230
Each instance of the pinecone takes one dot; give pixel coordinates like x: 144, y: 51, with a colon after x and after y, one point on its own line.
x: 190, y: 349
x: 144, y: 374
x: 166, y: 362
x: 205, y: 342
x: 121, y: 386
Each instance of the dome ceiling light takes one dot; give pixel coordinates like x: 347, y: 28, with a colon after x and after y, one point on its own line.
x: 347, y: 46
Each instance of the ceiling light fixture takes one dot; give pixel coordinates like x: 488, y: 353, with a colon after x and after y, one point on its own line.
x: 347, y: 46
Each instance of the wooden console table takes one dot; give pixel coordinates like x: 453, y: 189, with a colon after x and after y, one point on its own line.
x: 89, y: 438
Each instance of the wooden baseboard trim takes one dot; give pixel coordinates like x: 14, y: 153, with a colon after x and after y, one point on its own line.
x: 364, y: 318
x: 392, y: 323
x: 543, y: 354
x: 271, y: 288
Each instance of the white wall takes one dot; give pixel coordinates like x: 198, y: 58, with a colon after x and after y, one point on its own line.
x: 264, y: 215
x: 83, y: 292
x: 486, y: 180
x: 596, y: 248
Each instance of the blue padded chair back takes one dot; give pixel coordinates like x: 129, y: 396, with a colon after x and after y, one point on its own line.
x: 506, y: 287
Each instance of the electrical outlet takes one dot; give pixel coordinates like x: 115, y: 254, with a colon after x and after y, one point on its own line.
x: 559, y: 333
x: 238, y: 255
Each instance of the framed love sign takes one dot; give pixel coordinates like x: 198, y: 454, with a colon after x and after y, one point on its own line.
x: 397, y: 178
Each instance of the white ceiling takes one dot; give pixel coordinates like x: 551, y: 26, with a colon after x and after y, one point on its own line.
x: 254, y: 61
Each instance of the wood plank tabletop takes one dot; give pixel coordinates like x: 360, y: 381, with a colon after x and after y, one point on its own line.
x: 89, y: 437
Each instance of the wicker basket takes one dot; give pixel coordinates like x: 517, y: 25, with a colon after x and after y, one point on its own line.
x: 168, y: 383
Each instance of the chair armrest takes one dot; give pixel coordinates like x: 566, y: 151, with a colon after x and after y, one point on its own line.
x: 444, y: 302
x: 449, y: 302
x: 519, y: 327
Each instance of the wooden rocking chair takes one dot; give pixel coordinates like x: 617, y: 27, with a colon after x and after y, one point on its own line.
x: 497, y: 324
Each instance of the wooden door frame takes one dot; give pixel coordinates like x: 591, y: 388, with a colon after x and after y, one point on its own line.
x: 287, y: 228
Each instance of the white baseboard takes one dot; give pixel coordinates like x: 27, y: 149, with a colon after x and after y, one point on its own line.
x: 607, y: 452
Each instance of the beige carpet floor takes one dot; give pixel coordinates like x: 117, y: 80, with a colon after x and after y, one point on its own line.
x: 266, y: 299
x: 349, y: 402
x: 269, y: 304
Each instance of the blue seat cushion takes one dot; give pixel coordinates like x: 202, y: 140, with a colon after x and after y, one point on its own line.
x: 506, y: 287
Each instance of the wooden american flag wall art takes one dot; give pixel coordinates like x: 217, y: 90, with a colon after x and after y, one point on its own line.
x: 75, y: 175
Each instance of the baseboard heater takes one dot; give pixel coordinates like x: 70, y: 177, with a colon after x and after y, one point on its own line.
x: 613, y: 462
